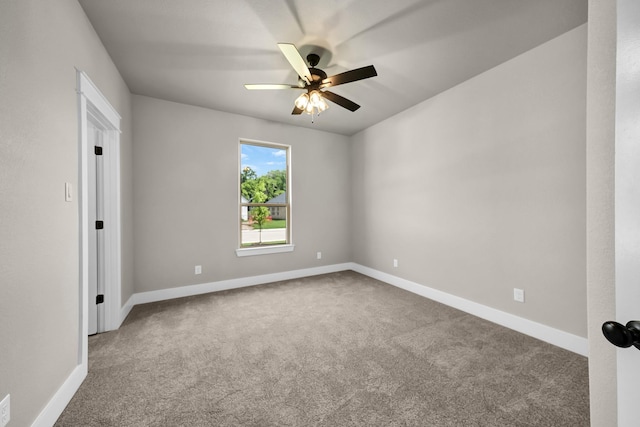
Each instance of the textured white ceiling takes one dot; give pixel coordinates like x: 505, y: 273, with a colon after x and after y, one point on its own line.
x: 201, y: 52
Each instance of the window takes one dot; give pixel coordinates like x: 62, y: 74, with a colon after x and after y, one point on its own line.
x: 265, y: 198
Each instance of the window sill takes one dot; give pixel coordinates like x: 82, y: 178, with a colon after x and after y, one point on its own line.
x: 264, y: 250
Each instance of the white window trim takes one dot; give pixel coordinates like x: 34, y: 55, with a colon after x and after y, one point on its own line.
x: 275, y: 249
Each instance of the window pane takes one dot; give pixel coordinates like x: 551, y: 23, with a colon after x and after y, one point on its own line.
x: 263, y: 181
x: 263, y: 174
x: 271, y: 231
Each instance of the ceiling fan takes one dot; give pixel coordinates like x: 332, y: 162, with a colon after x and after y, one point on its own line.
x: 315, y: 82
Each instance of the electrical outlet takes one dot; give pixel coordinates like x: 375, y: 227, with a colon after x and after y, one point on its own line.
x: 518, y: 294
x: 395, y: 262
x: 5, y: 410
x: 198, y: 269
x: 319, y: 255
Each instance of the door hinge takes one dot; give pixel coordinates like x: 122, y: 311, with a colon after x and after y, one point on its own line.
x: 99, y: 299
x: 97, y: 150
x: 99, y: 225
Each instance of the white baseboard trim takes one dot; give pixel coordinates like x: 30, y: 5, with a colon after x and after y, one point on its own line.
x: 537, y: 330
x: 125, y: 310
x: 61, y: 399
x: 223, y: 285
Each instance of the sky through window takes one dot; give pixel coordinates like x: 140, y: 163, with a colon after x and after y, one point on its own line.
x: 263, y: 159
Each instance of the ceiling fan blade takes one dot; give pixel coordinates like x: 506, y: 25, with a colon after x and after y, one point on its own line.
x: 295, y: 59
x: 350, y: 76
x: 261, y: 86
x: 296, y: 111
x: 340, y: 100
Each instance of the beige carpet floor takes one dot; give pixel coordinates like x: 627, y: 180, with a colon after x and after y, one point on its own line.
x: 339, y: 349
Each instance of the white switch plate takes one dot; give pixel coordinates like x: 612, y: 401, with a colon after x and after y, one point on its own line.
x: 198, y: 269
x: 5, y: 410
x: 395, y: 262
x: 518, y: 294
x: 319, y: 255
x: 68, y: 196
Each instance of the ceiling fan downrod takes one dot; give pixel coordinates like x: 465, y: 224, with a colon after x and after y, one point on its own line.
x: 313, y: 59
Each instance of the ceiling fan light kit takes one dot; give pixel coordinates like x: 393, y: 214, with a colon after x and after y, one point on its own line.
x: 314, y: 80
x: 311, y: 103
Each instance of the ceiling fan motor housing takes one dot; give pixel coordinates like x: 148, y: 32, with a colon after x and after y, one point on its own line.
x: 317, y: 76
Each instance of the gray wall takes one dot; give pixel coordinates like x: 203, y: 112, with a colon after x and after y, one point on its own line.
x: 40, y: 44
x: 186, y: 194
x: 482, y: 188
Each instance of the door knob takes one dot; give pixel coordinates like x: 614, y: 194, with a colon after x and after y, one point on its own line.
x: 621, y: 335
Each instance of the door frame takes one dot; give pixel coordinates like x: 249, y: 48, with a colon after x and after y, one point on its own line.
x: 627, y: 201
x: 613, y: 205
x: 93, y: 105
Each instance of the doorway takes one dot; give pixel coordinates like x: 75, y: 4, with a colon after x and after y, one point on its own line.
x: 99, y: 200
